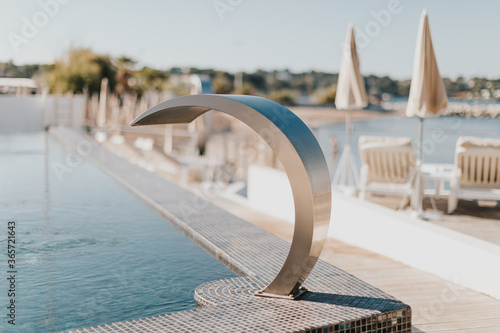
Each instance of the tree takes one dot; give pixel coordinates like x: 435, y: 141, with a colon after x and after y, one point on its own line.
x: 222, y: 82
x: 257, y: 80
x: 124, y: 73
x: 80, y: 68
x: 327, y: 96
x: 284, y: 97
x: 246, y: 89
x: 8, y: 69
x: 149, y: 79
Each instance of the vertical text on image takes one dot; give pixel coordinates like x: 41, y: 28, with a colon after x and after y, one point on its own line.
x: 11, y: 272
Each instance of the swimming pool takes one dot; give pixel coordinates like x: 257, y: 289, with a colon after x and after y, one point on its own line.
x: 88, y: 251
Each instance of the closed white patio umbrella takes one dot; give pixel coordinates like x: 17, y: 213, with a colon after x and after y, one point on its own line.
x: 351, y: 95
x: 427, y: 91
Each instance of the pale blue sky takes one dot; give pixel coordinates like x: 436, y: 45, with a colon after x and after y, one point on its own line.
x: 267, y: 34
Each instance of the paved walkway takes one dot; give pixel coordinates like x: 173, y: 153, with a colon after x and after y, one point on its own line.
x: 438, y: 305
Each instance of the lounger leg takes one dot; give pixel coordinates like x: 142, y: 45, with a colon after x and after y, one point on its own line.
x: 404, y: 201
x: 452, y: 203
x: 363, y: 181
x: 454, y: 189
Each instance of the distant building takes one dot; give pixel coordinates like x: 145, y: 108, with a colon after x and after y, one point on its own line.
x: 283, y: 75
x: 18, y: 86
x: 485, y: 93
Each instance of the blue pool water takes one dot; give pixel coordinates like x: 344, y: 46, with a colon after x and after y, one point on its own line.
x: 440, y: 135
x: 88, y: 251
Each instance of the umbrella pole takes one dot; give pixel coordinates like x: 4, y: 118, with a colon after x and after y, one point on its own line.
x: 346, y: 174
x: 420, y: 137
x: 348, y: 128
x: 419, y: 189
x: 347, y: 149
x: 341, y: 176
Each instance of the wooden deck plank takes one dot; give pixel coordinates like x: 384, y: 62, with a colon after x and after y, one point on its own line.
x: 472, y: 330
x: 461, y: 325
x: 455, y: 317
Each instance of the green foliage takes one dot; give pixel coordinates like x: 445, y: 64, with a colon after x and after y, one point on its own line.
x: 246, y: 89
x: 8, y: 69
x: 80, y: 68
x: 223, y: 83
x: 454, y: 87
x: 257, y: 80
x: 149, y: 79
x: 326, y: 96
x: 404, y: 88
x: 124, y: 74
x: 382, y: 85
x: 284, y: 97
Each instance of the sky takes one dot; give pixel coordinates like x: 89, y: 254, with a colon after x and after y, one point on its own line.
x: 246, y: 35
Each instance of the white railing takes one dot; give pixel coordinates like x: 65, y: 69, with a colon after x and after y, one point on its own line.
x: 36, y: 112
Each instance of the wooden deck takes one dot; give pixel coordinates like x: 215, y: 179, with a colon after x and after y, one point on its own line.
x: 438, y: 305
x: 469, y: 218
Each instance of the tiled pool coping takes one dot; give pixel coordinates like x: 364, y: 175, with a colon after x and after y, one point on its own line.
x: 336, y: 301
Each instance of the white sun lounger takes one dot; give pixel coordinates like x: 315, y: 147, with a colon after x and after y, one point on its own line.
x: 476, y: 173
x: 388, y: 166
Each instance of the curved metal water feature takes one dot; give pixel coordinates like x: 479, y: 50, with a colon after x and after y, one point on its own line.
x: 302, y: 158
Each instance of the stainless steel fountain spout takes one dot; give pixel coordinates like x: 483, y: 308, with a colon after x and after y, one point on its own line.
x: 302, y: 158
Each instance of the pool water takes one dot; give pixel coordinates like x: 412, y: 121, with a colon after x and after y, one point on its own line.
x: 88, y: 251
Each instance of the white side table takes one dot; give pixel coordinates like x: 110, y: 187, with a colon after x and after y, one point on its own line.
x: 439, y: 174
